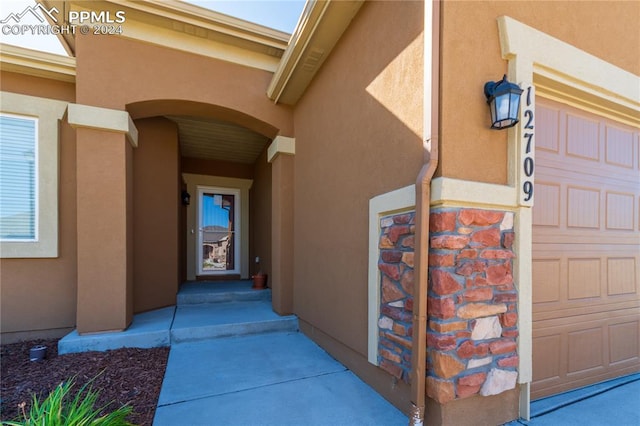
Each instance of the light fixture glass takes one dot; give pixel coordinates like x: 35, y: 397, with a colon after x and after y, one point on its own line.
x: 503, y: 98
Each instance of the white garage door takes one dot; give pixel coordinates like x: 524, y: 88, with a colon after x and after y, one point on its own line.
x: 586, y: 249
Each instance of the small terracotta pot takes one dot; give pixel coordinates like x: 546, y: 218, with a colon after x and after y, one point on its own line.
x: 259, y: 281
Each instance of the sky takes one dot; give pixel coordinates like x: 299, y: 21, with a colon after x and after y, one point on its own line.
x: 282, y: 15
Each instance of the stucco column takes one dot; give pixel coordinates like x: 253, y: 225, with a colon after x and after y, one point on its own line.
x: 280, y: 155
x: 105, y: 140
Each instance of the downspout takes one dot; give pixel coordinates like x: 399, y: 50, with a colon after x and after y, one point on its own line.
x: 423, y: 200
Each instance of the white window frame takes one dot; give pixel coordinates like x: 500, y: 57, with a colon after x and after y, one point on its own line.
x: 48, y: 113
x: 35, y: 176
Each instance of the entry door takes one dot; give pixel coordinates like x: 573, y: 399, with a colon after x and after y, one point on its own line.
x: 218, y: 231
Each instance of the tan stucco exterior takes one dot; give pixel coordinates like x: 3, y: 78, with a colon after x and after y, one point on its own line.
x: 353, y: 131
x: 471, y: 56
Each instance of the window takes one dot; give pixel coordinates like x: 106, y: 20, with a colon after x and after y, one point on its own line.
x: 29, y: 175
x: 18, y: 178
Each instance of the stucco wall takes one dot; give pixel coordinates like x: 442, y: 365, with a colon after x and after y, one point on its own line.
x: 155, y: 214
x: 470, y: 56
x: 114, y: 72
x: 260, y: 216
x: 39, y: 295
x: 358, y: 134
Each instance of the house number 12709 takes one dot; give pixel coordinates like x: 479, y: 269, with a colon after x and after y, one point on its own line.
x: 528, y: 147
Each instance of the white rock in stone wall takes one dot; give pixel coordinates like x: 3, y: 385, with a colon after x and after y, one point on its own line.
x: 386, y: 222
x: 507, y: 222
x: 473, y: 363
x: 498, y: 381
x: 386, y: 323
x: 398, y: 304
x: 486, y: 328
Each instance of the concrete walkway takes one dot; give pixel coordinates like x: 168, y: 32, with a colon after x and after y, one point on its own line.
x: 266, y: 379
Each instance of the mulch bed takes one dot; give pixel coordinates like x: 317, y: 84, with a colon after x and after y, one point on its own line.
x: 123, y: 376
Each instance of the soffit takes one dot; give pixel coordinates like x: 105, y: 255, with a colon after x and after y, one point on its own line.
x: 320, y: 27
x: 218, y: 140
x: 186, y: 27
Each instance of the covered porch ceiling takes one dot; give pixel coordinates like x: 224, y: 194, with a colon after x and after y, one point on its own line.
x: 210, y: 139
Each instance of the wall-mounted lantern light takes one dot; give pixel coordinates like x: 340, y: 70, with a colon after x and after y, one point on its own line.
x: 503, y: 98
x: 186, y: 198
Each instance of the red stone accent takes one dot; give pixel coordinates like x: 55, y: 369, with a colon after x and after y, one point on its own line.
x: 391, y: 368
x: 479, y: 281
x: 392, y: 271
x: 399, y: 329
x: 512, y: 334
x: 442, y: 283
x: 487, y: 237
x: 397, y: 314
x: 466, y: 391
x: 468, y: 254
x: 507, y: 239
x: 390, y: 291
x: 506, y: 297
x: 502, y: 346
x: 497, y: 254
x: 472, y: 379
x: 407, y: 258
x: 511, y: 361
x: 478, y: 294
x: 449, y: 242
x: 440, y: 390
x: 441, y: 342
x: 471, y: 267
x: 408, y: 242
x: 408, y: 305
x: 479, y: 217
x: 443, y: 308
x: 509, y: 319
x: 441, y: 222
x: 468, y: 349
x: 499, y: 274
x: 391, y: 256
x: 440, y: 259
x: 400, y: 340
x: 402, y: 219
x: 407, y: 281
x: 390, y: 355
x: 448, y: 326
x: 396, y: 231
x: 385, y: 243
x: 446, y: 366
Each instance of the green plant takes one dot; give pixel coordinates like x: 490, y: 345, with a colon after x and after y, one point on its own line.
x: 59, y: 409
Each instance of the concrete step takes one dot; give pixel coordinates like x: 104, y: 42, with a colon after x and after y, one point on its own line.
x: 204, y: 292
x: 197, y: 322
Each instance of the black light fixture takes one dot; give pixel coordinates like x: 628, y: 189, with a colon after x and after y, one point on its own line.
x: 186, y: 197
x: 503, y: 98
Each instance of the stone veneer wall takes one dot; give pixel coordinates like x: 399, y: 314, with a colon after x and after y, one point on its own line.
x: 472, y: 310
x: 396, y: 247
x: 472, y: 304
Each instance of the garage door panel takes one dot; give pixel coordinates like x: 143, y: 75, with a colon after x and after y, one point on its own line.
x: 619, y: 147
x: 624, y: 342
x: 584, y: 278
x: 586, y: 249
x: 622, y: 276
x: 620, y: 211
x: 547, y: 356
x: 583, y: 137
x: 586, y: 351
